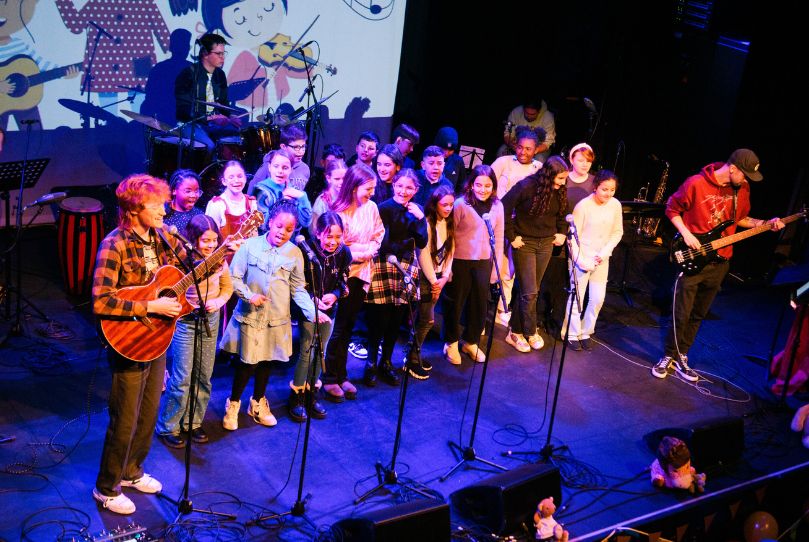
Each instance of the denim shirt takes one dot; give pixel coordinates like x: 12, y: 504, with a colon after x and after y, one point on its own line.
x: 258, y: 267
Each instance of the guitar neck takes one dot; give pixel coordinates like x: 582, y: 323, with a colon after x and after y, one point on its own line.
x: 202, y: 270
x: 730, y: 239
x: 49, y: 75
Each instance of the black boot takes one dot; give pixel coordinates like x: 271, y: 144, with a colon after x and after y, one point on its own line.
x: 388, y: 374
x: 297, y: 412
x: 370, y: 375
x: 316, y: 409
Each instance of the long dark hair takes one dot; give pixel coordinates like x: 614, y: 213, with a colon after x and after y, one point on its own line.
x: 478, y: 171
x: 431, y: 212
x: 544, y: 185
x: 198, y: 225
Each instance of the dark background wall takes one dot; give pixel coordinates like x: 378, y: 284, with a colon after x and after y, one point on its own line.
x: 662, y: 88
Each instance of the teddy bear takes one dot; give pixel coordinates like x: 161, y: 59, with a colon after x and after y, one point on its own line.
x: 672, y: 467
x: 548, y: 529
x: 800, y: 425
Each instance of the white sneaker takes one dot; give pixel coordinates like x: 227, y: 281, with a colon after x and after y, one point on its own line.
x: 120, y: 504
x: 517, y: 341
x: 231, y: 419
x: 451, y: 353
x: 536, y: 341
x: 474, y: 352
x: 503, y: 318
x: 144, y: 484
x: 260, y: 411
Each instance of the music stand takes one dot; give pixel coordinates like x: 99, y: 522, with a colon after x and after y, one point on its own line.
x: 18, y: 175
x: 241, y: 90
x: 471, y: 156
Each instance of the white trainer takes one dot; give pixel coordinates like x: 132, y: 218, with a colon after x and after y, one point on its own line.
x: 231, y: 419
x: 474, y: 352
x: 260, y: 411
x: 144, y: 484
x: 120, y: 504
x: 451, y: 353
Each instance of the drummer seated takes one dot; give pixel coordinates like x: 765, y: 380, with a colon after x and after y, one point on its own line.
x: 293, y: 140
x: 201, y: 82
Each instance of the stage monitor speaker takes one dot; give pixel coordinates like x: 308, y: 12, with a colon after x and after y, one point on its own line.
x: 711, y: 442
x: 422, y: 520
x: 504, y: 502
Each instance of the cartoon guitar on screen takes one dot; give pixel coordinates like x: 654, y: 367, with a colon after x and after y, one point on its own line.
x: 22, y: 71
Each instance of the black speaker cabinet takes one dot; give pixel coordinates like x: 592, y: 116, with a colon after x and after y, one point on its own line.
x: 425, y: 521
x: 502, y: 503
x: 712, y: 442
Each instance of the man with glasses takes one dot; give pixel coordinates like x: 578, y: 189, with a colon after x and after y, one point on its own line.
x: 293, y: 139
x: 202, y: 82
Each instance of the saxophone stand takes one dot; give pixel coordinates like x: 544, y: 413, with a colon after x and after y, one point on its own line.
x: 546, y: 453
x: 468, y: 454
x: 184, y: 504
x: 298, y: 509
x: 387, y: 476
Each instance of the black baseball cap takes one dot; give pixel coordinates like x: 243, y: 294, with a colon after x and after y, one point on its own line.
x: 747, y: 161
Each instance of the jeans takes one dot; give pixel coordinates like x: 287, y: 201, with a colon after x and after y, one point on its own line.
x: 176, y: 406
x: 306, y: 356
x: 595, y: 284
x: 470, y: 283
x: 530, y: 262
x: 133, y: 404
x: 693, y: 297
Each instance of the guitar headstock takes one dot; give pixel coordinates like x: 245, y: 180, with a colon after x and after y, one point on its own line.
x: 251, y: 224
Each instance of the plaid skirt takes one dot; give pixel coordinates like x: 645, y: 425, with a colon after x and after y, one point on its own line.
x: 387, y: 285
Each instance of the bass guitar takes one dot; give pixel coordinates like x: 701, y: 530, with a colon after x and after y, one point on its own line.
x: 692, y: 260
x: 146, y: 338
x: 24, y: 73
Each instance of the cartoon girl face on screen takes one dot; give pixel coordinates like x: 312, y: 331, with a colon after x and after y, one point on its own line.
x: 246, y: 23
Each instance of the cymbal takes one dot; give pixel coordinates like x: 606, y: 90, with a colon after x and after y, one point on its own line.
x: 151, y: 122
x: 219, y: 106
x: 642, y: 208
x: 88, y: 110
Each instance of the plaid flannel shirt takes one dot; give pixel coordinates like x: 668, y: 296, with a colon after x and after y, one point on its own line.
x: 120, y: 263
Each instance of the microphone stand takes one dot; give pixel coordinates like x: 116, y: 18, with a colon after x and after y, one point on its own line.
x: 313, y: 119
x: 299, y: 508
x: 184, y: 504
x: 468, y: 453
x: 387, y: 475
x: 546, y: 453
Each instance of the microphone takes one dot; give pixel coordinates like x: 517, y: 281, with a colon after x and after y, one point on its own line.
x: 186, y: 243
x: 307, y: 44
x: 101, y: 30
x: 303, y: 94
x: 487, y: 219
x: 573, y: 231
x: 394, y: 261
x: 30, y: 121
x: 47, y: 198
x: 300, y: 240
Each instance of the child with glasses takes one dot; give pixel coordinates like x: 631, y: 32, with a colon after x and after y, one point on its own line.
x: 292, y: 140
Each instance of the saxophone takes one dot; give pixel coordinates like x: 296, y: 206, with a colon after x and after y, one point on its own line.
x: 648, y: 226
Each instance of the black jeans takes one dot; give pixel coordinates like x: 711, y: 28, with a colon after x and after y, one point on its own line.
x: 337, y: 349
x: 693, y: 297
x: 133, y: 405
x: 470, y: 284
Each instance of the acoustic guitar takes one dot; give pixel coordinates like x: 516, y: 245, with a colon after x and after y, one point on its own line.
x: 691, y: 261
x: 146, y: 338
x: 24, y: 73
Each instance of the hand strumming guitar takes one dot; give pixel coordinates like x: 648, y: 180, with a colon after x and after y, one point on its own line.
x: 164, y: 306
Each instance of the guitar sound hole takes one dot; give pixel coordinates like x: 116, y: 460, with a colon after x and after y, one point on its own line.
x: 167, y: 292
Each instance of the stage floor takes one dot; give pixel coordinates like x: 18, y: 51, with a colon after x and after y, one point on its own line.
x: 53, y: 395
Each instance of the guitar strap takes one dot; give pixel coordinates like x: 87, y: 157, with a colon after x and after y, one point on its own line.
x: 735, y: 198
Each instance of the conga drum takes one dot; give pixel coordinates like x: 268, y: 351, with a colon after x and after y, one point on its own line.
x: 79, y: 232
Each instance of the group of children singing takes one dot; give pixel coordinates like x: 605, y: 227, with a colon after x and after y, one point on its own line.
x: 364, y: 255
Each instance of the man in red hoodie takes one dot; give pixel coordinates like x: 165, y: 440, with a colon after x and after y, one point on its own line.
x: 720, y: 192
